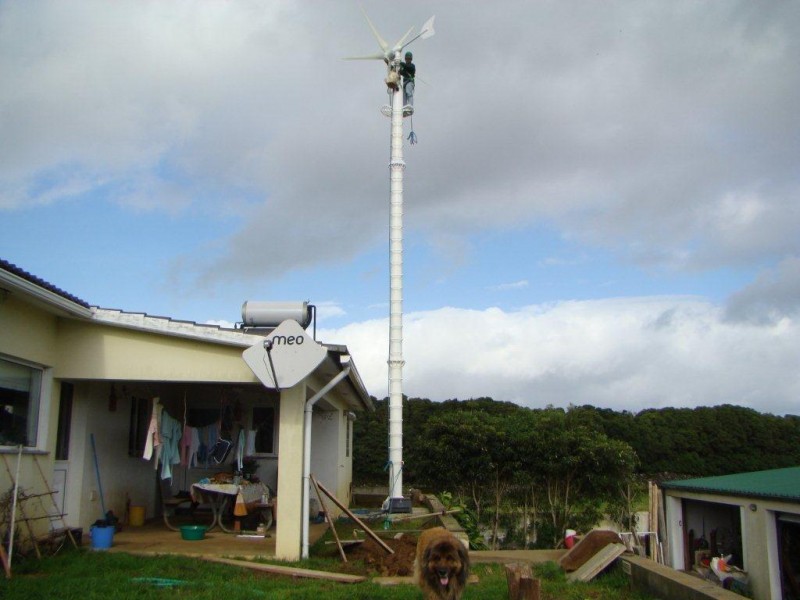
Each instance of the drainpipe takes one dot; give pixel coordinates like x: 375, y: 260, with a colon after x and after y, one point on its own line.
x: 307, y: 450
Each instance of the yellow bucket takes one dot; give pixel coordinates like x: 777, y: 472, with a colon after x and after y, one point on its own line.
x: 136, y: 516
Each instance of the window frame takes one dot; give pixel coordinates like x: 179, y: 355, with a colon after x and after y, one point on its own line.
x: 36, y: 426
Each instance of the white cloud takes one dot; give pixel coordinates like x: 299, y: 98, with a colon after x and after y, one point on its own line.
x: 221, y: 323
x: 772, y: 297
x: 628, y: 353
x: 515, y: 285
x: 329, y: 310
x: 667, y: 131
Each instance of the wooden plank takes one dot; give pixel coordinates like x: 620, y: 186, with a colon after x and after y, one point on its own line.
x: 6, y: 565
x: 592, y: 567
x: 349, y: 513
x: 425, y: 515
x: 328, y: 518
x: 347, y: 542
x: 288, y: 571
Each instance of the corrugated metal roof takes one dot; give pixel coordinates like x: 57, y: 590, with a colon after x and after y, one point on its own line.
x: 783, y: 484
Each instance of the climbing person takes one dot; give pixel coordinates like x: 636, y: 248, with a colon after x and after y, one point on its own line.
x: 407, y: 71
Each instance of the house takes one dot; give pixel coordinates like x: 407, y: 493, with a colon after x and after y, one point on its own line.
x: 754, y: 517
x: 77, y: 386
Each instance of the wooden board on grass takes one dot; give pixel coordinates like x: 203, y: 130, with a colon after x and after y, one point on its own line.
x: 592, y: 567
x: 289, y: 571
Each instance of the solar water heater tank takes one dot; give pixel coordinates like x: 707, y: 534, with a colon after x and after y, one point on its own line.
x: 271, y: 314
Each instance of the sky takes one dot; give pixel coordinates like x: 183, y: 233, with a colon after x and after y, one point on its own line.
x: 602, y: 207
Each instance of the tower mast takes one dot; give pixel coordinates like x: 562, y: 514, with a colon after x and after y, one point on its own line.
x: 396, y: 168
x: 391, y: 56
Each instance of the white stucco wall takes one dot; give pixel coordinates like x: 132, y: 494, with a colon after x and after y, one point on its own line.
x: 90, y: 351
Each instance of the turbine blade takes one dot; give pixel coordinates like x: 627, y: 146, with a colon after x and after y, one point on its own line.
x: 427, y: 29
x: 370, y: 57
x: 399, y: 45
x: 384, y: 46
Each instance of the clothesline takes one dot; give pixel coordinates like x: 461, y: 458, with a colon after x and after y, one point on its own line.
x: 173, y: 442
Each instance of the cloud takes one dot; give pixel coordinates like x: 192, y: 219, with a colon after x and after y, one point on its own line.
x: 516, y: 285
x: 665, y: 131
x: 329, y: 310
x: 627, y: 353
x: 771, y: 298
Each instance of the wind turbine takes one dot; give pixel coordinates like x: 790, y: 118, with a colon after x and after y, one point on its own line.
x: 391, y: 56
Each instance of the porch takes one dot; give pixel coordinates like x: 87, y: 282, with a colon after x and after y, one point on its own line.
x: 154, y: 538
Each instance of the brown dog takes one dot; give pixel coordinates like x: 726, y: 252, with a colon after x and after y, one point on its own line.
x: 441, y: 568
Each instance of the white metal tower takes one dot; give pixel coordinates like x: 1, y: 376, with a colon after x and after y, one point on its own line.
x: 392, y: 57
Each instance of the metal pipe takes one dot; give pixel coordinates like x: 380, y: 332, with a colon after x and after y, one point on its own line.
x: 307, y: 450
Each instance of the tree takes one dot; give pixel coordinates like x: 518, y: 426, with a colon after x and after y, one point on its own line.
x: 578, y: 469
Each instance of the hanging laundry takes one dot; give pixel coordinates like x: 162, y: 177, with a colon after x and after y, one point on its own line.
x: 194, y: 448
x: 250, y: 448
x: 171, y: 430
x: 153, y: 440
x: 186, y: 445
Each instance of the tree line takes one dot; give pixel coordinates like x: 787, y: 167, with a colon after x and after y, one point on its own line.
x: 538, y: 471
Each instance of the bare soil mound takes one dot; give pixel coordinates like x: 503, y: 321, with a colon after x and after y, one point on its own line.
x: 401, y: 563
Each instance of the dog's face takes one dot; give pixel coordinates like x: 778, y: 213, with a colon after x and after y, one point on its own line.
x: 446, y: 564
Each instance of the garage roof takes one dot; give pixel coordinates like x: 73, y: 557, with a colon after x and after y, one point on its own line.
x: 782, y: 484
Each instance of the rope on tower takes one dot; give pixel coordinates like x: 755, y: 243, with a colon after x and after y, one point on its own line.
x: 412, y: 137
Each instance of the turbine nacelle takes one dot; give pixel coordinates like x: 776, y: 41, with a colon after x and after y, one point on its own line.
x: 390, y: 54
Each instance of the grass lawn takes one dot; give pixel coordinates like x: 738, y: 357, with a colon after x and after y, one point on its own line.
x: 85, y: 574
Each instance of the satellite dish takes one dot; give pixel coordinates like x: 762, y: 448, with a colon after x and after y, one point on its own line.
x: 285, y: 357
x: 390, y: 53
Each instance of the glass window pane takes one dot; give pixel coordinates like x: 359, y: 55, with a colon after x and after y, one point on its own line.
x: 20, y: 387
x: 264, y: 424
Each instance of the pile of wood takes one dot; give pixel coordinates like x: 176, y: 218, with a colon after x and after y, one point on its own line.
x: 591, y: 555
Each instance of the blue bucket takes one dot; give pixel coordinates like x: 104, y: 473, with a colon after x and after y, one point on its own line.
x: 102, y: 537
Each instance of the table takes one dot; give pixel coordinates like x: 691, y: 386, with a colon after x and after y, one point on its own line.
x: 217, y: 495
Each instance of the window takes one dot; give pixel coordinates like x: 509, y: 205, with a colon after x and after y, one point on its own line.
x: 20, y: 390
x: 138, y: 426
x: 264, y: 425
x: 64, y: 421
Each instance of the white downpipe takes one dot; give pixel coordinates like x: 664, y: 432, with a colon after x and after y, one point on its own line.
x: 396, y: 362
x: 307, y: 451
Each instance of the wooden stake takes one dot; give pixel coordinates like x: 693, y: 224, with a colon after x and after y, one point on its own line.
x: 521, y: 584
x: 369, y: 531
x: 328, y: 517
x: 6, y: 564
x: 426, y: 515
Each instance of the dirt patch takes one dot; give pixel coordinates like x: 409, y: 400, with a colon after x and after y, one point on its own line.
x: 376, y: 559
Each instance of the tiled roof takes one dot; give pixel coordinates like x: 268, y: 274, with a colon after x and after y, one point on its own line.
x: 15, y: 270
x: 782, y: 484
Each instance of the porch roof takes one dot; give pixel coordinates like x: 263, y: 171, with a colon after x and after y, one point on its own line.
x: 781, y: 484
x: 15, y: 280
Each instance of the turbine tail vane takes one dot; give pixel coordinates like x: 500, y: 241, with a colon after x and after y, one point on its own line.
x: 427, y: 29
x: 426, y: 32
